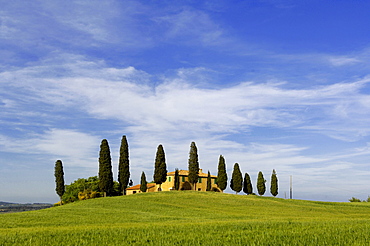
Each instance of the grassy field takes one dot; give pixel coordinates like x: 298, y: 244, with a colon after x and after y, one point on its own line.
x: 190, y: 218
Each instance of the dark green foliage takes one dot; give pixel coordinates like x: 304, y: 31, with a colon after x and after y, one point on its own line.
x: 209, y: 182
x: 59, y: 179
x: 247, y: 184
x: 90, y: 184
x: 123, y: 166
x: 354, y: 199
x: 221, y: 175
x: 143, y: 183
x: 193, y: 165
x: 160, y: 168
x: 237, y: 179
x: 261, y: 187
x: 274, y: 183
x: 80, y: 185
x: 177, y: 179
x: 105, y: 169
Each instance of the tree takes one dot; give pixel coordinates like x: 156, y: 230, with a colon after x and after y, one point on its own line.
x: 274, y: 183
x: 105, y: 169
x: 82, y: 189
x: 123, y: 166
x: 177, y: 179
x: 193, y: 165
x: 59, y: 179
x: 354, y: 199
x: 221, y: 175
x: 261, y: 187
x: 209, y: 182
x: 160, y: 168
x: 247, y: 184
x: 237, y: 179
x: 143, y: 183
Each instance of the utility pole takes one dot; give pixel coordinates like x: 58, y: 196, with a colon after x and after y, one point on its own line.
x: 291, y: 187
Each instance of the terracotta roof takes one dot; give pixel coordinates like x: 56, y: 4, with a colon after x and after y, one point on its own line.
x: 186, y: 173
x: 137, y: 187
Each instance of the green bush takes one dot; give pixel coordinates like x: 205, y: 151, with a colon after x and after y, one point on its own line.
x: 354, y: 199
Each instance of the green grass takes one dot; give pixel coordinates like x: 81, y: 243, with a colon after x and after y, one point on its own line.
x: 190, y: 218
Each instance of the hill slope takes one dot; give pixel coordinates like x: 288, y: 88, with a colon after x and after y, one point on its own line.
x: 190, y: 218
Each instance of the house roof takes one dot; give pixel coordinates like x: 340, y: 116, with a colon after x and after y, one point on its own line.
x: 137, y: 187
x: 186, y: 173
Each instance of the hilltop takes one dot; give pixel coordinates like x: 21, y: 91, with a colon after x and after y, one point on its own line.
x: 190, y: 218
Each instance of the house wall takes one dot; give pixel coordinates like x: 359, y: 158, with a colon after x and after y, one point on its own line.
x: 200, y: 186
x: 130, y: 192
x: 150, y: 189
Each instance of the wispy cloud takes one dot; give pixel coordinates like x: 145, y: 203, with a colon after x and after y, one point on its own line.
x: 76, y: 148
x: 178, y: 104
x: 340, y: 61
x: 192, y: 27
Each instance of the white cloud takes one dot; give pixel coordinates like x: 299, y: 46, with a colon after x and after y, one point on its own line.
x: 75, y: 148
x: 343, y: 60
x: 192, y: 26
x: 177, y: 105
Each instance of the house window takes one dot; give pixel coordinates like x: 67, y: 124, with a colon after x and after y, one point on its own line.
x: 134, y: 192
x: 199, y: 189
x: 199, y: 180
x: 215, y: 181
x: 183, y: 178
x: 169, y: 179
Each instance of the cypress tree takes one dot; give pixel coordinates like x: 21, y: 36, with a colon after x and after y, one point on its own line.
x: 261, y: 187
x: 105, y: 168
x: 160, y: 168
x: 143, y: 183
x: 221, y: 175
x: 123, y: 166
x: 247, y: 185
x: 193, y: 165
x: 209, y: 180
x: 59, y: 180
x: 274, y: 183
x: 237, y: 179
x: 177, y: 179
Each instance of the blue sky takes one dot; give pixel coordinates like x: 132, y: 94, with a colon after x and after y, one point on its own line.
x: 268, y: 84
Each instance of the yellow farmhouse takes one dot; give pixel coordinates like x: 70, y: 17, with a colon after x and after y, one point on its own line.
x: 169, y: 184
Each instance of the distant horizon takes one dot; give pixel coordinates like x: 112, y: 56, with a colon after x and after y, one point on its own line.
x: 268, y: 84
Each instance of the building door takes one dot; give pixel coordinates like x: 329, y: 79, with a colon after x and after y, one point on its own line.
x: 186, y: 186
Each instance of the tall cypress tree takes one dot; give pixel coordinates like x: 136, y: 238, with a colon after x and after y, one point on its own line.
x: 247, y: 184
x: 221, y: 175
x: 209, y: 182
x: 193, y: 165
x: 123, y: 166
x: 177, y: 179
x: 105, y: 169
x: 261, y: 187
x: 59, y: 179
x: 237, y: 179
x: 143, y: 183
x: 274, y: 183
x: 160, y: 168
